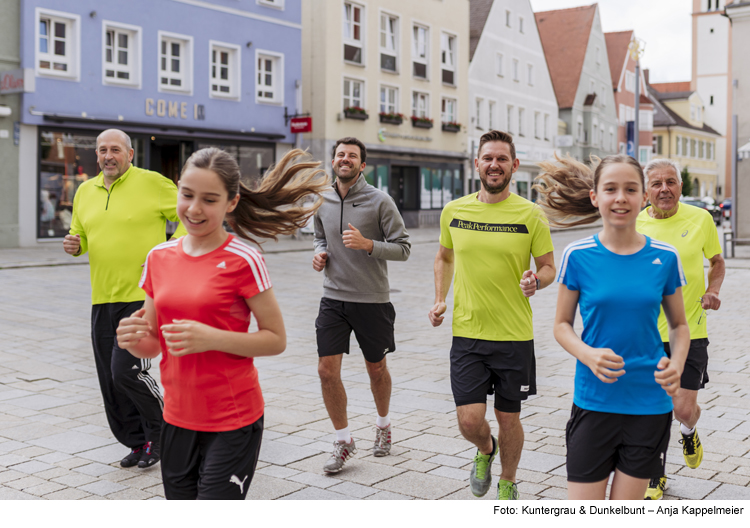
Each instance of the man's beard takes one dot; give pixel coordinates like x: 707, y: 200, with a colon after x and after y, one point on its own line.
x: 497, y: 189
x: 347, y: 179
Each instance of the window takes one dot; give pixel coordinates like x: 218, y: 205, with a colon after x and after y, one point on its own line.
x: 515, y: 70
x: 509, y: 118
x: 645, y: 120
x: 537, y: 125
x: 420, y: 104
x: 692, y: 148
x: 57, y: 44
x: 530, y: 74
x: 388, y: 100
x: 224, y: 78
x: 622, y: 116
x: 521, y: 122
x: 490, y: 115
x: 520, y: 24
x: 601, y: 138
x: 448, y: 58
x: 698, y: 113
x: 657, y: 145
x: 630, y: 81
x: 711, y: 100
x: 692, y: 112
x: 508, y: 18
x: 598, y: 60
x: 710, y: 150
x: 175, y: 62
x: 592, y: 89
x: 643, y: 155
x: 122, y: 54
x: 603, y: 95
x: 421, y: 44
x: 678, y: 150
x: 579, y: 131
x: 448, y: 110
x: 269, y: 82
x: 594, y: 134
x: 478, y: 115
x: 388, y: 42
x: 353, y: 38
x: 354, y: 93
x: 546, y: 127
x: 700, y: 149
x: 685, y: 147
x: 500, y: 64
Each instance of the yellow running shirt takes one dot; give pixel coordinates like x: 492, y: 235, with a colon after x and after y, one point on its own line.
x: 120, y: 226
x: 692, y: 231
x: 492, y: 245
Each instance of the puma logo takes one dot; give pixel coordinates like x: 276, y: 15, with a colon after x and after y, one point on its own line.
x: 234, y: 479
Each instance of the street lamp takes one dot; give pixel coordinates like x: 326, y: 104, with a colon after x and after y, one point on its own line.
x: 636, y: 49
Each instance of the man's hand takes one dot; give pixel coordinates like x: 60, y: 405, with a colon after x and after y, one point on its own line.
x: 185, y: 337
x: 319, y: 261
x: 353, y: 239
x: 710, y: 301
x: 72, y: 244
x: 668, y: 376
x: 436, y: 313
x: 132, y: 329
x: 528, y: 283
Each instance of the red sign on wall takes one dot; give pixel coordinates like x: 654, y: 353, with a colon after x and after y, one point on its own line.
x: 299, y: 125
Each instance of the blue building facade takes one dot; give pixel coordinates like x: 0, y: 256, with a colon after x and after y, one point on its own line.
x: 176, y: 75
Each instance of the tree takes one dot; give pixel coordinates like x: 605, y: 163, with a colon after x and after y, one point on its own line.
x: 687, y: 183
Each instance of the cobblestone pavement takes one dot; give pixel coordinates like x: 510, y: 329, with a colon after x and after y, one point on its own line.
x: 55, y: 442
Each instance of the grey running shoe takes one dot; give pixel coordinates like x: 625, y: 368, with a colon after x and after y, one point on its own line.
x: 382, y: 445
x: 480, y: 477
x: 341, y: 453
x: 507, y: 490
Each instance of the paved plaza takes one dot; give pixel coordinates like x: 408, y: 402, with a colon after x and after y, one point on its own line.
x: 55, y: 442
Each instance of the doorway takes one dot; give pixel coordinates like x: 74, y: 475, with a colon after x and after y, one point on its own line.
x: 167, y: 156
x: 404, y: 187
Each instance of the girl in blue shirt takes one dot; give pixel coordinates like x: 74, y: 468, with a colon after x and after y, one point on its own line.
x: 619, y: 278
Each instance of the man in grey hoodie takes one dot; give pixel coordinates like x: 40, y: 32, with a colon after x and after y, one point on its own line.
x: 357, y: 229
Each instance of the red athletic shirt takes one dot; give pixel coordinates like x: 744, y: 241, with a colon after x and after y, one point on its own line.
x: 211, y: 391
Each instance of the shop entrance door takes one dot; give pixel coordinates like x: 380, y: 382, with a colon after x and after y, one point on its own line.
x: 404, y: 187
x: 167, y: 156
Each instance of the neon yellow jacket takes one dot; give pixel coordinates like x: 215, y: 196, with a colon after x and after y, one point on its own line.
x: 120, y: 226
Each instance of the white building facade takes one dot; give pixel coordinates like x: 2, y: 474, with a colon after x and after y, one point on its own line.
x: 510, y: 87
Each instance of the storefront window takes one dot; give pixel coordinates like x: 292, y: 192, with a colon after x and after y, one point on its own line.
x: 425, y: 197
x: 382, y: 173
x: 370, y: 175
x: 66, y: 161
x: 437, y: 188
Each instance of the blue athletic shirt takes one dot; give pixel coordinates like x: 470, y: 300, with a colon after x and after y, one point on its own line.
x: 619, y: 299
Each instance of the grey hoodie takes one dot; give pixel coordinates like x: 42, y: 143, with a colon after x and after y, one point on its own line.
x: 351, y: 274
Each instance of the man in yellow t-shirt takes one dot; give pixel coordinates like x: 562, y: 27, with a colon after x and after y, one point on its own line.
x: 692, y: 231
x: 118, y: 216
x: 488, y: 239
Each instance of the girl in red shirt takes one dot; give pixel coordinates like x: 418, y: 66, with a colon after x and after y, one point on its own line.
x: 201, y: 291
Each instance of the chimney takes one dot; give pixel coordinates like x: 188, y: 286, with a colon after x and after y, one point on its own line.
x: 645, y: 76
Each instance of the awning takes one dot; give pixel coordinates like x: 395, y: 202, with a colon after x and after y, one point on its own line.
x: 158, y: 128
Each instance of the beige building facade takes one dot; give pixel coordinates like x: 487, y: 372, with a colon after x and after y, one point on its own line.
x: 395, y: 75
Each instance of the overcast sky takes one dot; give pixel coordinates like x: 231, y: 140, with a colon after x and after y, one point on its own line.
x: 664, y: 25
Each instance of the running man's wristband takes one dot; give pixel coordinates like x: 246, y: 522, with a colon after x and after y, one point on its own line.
x: 537, y: 281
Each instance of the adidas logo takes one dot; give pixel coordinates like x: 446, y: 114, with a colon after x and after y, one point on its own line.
x: 657, y: 261
x: 223, y: 265
x: 134, y: 367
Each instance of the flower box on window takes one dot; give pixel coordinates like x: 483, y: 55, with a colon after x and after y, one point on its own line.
x: 421, y: 122
x: 391, y: 119
x: 451, y: 127
x: 355, y: 112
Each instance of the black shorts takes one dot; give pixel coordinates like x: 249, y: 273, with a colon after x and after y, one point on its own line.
x: 695, y: 374
x: 505, y: 368
x: 599, y: 442
x: 203, y: 465
x: 372, y: 324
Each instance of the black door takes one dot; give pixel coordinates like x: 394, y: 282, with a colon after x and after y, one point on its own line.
x: 167, y: 156
x: 404, y: 187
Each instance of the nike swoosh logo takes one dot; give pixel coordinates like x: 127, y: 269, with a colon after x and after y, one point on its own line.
x: 357, y: 205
